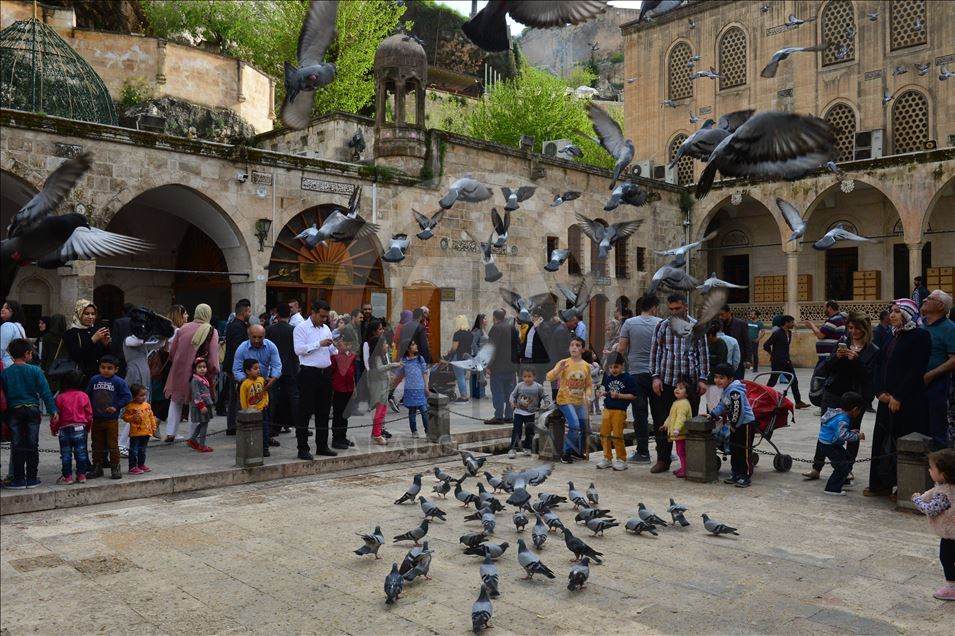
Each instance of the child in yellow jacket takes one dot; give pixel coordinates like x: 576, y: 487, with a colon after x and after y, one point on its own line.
x: 142, y: 424
x: 573, y: 398
x: 675, y: 424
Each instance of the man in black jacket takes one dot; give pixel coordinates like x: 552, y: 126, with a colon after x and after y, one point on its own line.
x: 419, y: 335
x: 284, y: 393
x: 507, y: 343
x: 236, y: 332
x: 533, y: 352
x: 738, y: 329
x: 118, y: 332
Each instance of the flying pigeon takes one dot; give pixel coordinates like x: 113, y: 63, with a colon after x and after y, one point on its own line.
x: 522, y: 305
x: 696, y: 331
x: 427, y: 224
x: 701, y: 144
x: 850, y: 31
x: 945, y: 74
x: 872, y: 15
x: 466, y: 189
x: 570, y: 195
x: 676, y: 513
x: 592, y: 496
x: 631, y: 80
x: 493, y: 550
x: 598, y: 524
x: 513, y: 198
x: 472, y: 539
x: 500, y: 226
x: 710, y: 283
x: 415, y: 534
x: 794, y: 21
x: 397, y: 249
x: 531, y: 562
x: 579, y: 548
x: 339, y: 227
x: 669, y: 103
x: 476, y: 364
x: 842, y: 52
x: 488, y: 28
x: 373, y: 542
x: 430, y: 510
x: 639, y: 526
x: 532, y: 476
x: 491, y: 272
x: 579, y: 299
x: 691, y: 24
x: 887, y: 96
x: 901, y: 69
x: 471, y: 463
x: 489, y: 577
x: 606, y: 235
x: 539, y: 532
x: 694, y: 118
x: 918, y: 25
x: 771, y: 144
x: 575, y: 496
x: 649, y: 516
x: 672, y: 276
x: 578, y: 575
x: 686, y: 247
x: 836, y: 234
x: 557, y: 258
x: 571, y: 150
x: 770, y: 69
x: 629, y: 193
x: 715, y: 527
x: 481, y: 611
x: 833, y: 167
x: 764, y: 8
x: 464, y: 496
x: 412, y: 491
x: 520, y: 520
x: 318, y: 32
x: 612, y: 140
x: 922, y: 69
x: 793, y: 219
x: 650, y: 9
x: 710, y: 74
x: 394, y: 583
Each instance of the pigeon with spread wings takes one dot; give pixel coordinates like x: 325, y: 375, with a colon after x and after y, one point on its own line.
x: 427, y: 224
x: 612, y: 139
x: 522, y: 305
x: 579, y: 299
x: 312, y: 73
x: 606, y: 235
x: 488, y: 28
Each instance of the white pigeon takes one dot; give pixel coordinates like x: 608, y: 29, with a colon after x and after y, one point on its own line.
x: 466, y: 189
x: 713, y: 282
x: 479, y: 362
x: 836, y: 234
x: 792, y: 218
x: 770, y: 69
x: 683, y: 249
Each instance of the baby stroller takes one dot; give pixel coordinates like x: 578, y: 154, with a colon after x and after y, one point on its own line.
x: 773, y: 411
x: 442, y: 379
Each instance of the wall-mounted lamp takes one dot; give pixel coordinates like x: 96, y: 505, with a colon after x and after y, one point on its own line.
x: 262, y: 227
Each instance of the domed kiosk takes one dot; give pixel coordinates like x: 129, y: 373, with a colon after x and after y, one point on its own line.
x: 401, y: 72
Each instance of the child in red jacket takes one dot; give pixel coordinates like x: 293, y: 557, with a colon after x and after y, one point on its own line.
x: 76, y: 419
x: 343, y: 385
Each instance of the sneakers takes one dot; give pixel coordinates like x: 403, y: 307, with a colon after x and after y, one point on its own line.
x: 639, y: 458
x: 393, y: 404
x: 81, y: 478
x: 124, y: 451
x: 679, y: 474
x: 385, y: 434
x: 945, y: 593
x: 619, y: 465
x: 732, y: 479
x: 115, y: 472
x: 744, y: 482
x: 265, y: 452
x: 202, y: 449
x: 147, y: 469
x: 33, y: 483
x: 64, y: 481
x: 511, y: 454
x: 811, y: 475
x: 527, y: 452
x: 833, y: 493
x: 604, y: 463
x: 16, y: 484
x: 274, y: 442
x: 566, y: 459
x: 381, y: 441
x: 135, y: 470
x: 193, y: 444
x: 414, y: 435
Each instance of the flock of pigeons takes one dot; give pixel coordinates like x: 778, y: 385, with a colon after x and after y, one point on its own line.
x: 417, y: 562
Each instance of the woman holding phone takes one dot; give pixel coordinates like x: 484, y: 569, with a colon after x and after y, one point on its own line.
x: 86, y: 341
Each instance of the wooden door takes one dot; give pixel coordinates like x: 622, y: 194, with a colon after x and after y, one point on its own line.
x: 429, y: 297
x: 597, y: 327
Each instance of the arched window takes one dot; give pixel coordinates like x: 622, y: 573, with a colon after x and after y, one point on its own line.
x: 839, y: 30
x: 843, y: 121
x: 732, y: 58
x: 679, y: 86
x: 909, y: 122
x: 684, y: 167
x: 576, y: 259
x: 907, y: 23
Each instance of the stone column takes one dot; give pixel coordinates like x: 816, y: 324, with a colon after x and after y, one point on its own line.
x: 915, y: 260
x: 792, y: 276
x: 550, y: 446
x: 912, y: 468
x: 160, y: 61
x: 702, y: 464
x: 248, y: 441
x: 76, y: 282
x: 439, y: 419
x: 239, y: 78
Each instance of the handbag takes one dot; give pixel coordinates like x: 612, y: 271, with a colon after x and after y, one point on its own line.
x: 157, y: 361
x: 61, y: 366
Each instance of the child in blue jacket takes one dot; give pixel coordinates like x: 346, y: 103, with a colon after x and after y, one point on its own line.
x: 834, y: 432
x: 734, y: 408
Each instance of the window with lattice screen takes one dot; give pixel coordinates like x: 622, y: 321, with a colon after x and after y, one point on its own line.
x: 838, y: 29
x: 907, y: 23
x: 909, y: 122
x: 843, y: 121
x: 576, y: 254
x: 641, y: 259
x: 684, y: 167
x: 680, y: 86
x: 732, y: 58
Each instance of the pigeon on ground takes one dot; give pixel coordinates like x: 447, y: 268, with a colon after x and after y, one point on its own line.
x: 612, y: 139
x: 649, y: 516
x: 397, y: 249
x: 471, y: 463
x: 312, y: 73
x: 922, y: 69
x: 373, y: 542
x: 442, y: 488
x: 571, y: 150
x: 427, y: 223
x: 587, y: 513
x: 421, y: 567
x: 472, y: 539
x: 412, y: 491
x: 770, y: 69
x: 639, y: 526
x: 592, y: 495
x: 578, y: 299
x: 712, y: 282
x: 465, y: 189
x: 487, y: 499
x: 575, y: 496
x: 598, y: 525
x: 672, y: 276
x: 486, y: 516
x: 497, y: 483
x: 539, y: 532
x: 430, y: 510
x: 579, y: 548
x: 570, y: 195
x: 464, y: 496
x: 489, y: 577
x: 686, y: 247
x: 531, y: 562
x: 394, y: 583
x: 792, y: 218
x: 513, y: 198
x: 675, y: 507
x: 836, y: 234
x: 440, y: 475
x: 550, y: 500
x: 676, y: 512
x: 500, y: 225
x: 520, y: 520
x: 481, y: 611
x: 519, y: 497
x: 579, y: 574
x: 629, y: 193
x: 491, y: 273
x: 715, y: 527
x: 552, y: 520
x: 557, y: 258
x: 532, y: 476
x: 415, y: 556
x: 488, y: 28
x: 478, y: 363
x: 415, y: 534
x: 771, y: 144
x: 606, y: 235
x: 493, y: 550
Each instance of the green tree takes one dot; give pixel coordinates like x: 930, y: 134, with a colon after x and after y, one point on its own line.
x: 265, y: 34
x: 581, y: 76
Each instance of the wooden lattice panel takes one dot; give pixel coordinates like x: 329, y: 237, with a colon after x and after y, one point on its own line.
x: 732, y: 58
x: 905, y: 16
x: 838, y: 23
x: 910, y: 122
x: 680, y: 85
x: 843, y: 121
x: 684, y: 167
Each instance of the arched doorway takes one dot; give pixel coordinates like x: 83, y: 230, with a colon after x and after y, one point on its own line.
x: 597, y: 325
x: 425, y: 294
x: 342, y: 275
x: 938, y: 236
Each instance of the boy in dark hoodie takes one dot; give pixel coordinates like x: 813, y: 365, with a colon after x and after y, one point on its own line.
x: 737, y: 412
x: 834, y: 432
x: 109, y: 395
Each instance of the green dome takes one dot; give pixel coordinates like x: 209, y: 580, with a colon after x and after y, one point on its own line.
x: 40, y: 72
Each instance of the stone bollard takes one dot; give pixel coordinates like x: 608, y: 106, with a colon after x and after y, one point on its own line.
x: 702, y: 464
x: 248, y: 438
x: 551, y: 446
x: 439, y: 419
x: 912, y: 468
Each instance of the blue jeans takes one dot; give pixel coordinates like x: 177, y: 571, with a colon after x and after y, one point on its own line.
x: 502, y: 384
x: 461, y: 376
x: 576, y: 417
x: 137, y: 450
x: 424, y: 417
x: 937, y: 394
x: 73, y: 442
x: 24, y: 423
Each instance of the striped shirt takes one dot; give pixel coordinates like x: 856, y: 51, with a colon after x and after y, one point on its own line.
x: 833, y: 329
x: 674, y: 358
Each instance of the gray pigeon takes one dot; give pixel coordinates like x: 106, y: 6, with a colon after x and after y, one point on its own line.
x: 532, y: 476
x: 710, y: 283
x: 649, y: 516
x: 672, y: 276
x: 629, y: 193
x: 639, y: 526
x: 836, y: 234
x: 421, y: 567
x: 612, y: 140
x: 488, y: 28
x: 592, y: 496
x: 922, y: 69
x: 557, y: 258
x: 694, y: 118
x: 701, y: 144
x: 901, y: 69
x: 539, y: 532
x: 415, y: 555
x: 472, y: 539
x: 586, y: 514
x: 579, y: 299
x: 886, y: 96
x: 945, y: 74
x: 872, y: 15
x: 489, y: 577
x: 397, y: 249
x: 842, y: 52
x: 513, y: 198
x: 794, y: 21
x: 478, y: 363
x: 686, y: 247
x: 833, y: 167
x: 598, y: 525
x: 493, y: 550
x: 676, y: 513
x: 430, y: 510
x: 717, y: 528
x: 519, y: 497
x: 792, y: 218
x: 440, y: 475
x: 675, y: 507
x: 606, y: 235
x: 650, y: 9
x: 442, y: 488
x: 481, y: 611
x: 466, y: 189
x: 669, y: 103
x: 575, y: 496
x: 572, y: 150
x: 570, y: 195
x: 500, y: 225
x: 696, y: 330
x: 710, y: 74
x: 550, y: 500
x: 491, y: 272
x: 464, y: 496
x: 427, y: 224
x: 552, y: 520
x: 342, y: 228
x: 415, y: 534
x: 357, y: 143
x: 412, y: 491
x: 373, y: 542
x: 497, y: 483
x: 394, y: 584
x: 520, y: 520
x: 488, y: 521
x: 770, y: 69
x: 579, y: 548
x: 579, y: 574
x: 522, y: 305
x: 531, y: 562
x: 471, y: 463
x: 318, y: 32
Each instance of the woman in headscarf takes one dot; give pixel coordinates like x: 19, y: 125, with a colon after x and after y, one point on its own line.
x: 84, y: 343
x: 900, y: 388
x: 194, y: 339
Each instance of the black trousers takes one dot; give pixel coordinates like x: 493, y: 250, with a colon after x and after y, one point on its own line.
x: 788, y: 368
x: 283, y: 402
x: 340, y: 416
x: 882, y: 469
x: 315, y: 398
x: 946, y: 554
x: 233, y: 406
x: 831, y: 400
x: 741, y: 450
x: 664, y: 402
x: 841, y: 465
x: 643, y: 406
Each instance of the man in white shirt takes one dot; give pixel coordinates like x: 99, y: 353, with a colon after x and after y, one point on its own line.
x: 312, y: 343
x: 297, y: 317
